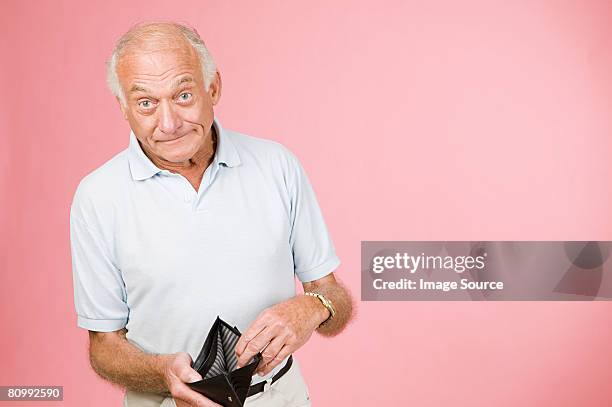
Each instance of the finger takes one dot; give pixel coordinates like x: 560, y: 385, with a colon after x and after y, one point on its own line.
x: 252, y: 331
x: 270, y: 352
x: 192, y: 398
x: 181, y: 403
x: 254, y: 346
x: 188, y: 375
x: 201, y: 401
x: 184, y: 372
x: 282, y: 354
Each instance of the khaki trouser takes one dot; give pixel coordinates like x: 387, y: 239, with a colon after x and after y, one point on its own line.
x: 289, y: 391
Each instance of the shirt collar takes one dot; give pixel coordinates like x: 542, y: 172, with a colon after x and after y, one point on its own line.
x: 142, y: 167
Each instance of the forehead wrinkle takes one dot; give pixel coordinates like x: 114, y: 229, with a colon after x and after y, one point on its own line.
x: 141, y: 67
x: 177, y: 79
x: 166, y: 54
x: 183, y: 77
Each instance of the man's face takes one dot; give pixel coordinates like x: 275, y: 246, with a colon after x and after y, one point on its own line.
x: 167, y: 105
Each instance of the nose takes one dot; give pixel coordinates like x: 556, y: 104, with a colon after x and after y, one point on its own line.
x: 169, y: 120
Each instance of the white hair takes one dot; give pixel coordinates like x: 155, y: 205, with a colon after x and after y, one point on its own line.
x: 150, y: 30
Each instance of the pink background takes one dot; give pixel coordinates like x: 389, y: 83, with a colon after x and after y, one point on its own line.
x: 423, y: 120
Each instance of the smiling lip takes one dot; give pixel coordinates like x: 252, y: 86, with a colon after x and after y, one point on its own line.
x: 173, y: 140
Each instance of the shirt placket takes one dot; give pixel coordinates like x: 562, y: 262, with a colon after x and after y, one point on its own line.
x: 189, y: 195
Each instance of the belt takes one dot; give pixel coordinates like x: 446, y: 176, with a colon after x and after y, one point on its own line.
x: 259, y: 387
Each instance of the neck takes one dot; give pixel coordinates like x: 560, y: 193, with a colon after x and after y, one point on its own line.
x: 197, y: 164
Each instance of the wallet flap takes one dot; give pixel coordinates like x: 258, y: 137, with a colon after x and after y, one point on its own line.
x: 241, y: 378
x: 220, y: 390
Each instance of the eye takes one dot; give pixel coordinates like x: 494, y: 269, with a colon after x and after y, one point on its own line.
x: 145, y: 104
x: 185, y: 96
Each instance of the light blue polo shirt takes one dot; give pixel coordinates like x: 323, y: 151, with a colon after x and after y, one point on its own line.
x: 151, y: 254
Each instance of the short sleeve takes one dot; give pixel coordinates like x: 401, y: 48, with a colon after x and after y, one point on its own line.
x: 314, y: 254
x: 99, y: 291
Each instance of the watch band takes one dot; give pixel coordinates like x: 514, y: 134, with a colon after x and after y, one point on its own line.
x: 326, y: 303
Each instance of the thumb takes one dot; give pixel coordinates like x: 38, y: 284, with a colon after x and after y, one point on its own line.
x: 184, y: 371
x: 191, y: 376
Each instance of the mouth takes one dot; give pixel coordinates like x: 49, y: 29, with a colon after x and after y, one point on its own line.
x: 171, y: 141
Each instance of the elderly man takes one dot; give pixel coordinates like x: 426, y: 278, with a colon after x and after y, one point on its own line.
x: 192, y: 221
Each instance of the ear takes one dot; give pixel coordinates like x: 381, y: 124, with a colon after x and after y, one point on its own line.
x: 123, y: 108
x: 214, y: 90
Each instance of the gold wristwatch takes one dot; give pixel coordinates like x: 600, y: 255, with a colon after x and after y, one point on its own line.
x: 326, y: 303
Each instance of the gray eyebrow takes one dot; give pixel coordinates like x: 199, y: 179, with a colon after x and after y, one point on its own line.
x: 182, y: 80
x: 138, y: 88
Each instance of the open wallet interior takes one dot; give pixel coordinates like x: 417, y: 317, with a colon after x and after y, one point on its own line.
x: 221, y: 381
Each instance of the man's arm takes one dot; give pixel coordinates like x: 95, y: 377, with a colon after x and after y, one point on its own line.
x: 283, y: 328
x: 340, y: 298
x: 115, y: 359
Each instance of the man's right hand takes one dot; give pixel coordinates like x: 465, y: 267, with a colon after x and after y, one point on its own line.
x: 177, y: 372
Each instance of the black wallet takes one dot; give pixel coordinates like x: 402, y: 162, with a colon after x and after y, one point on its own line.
x: 221, y: 381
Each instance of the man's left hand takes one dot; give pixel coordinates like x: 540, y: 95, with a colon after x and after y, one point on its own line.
x: 279, y: 331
